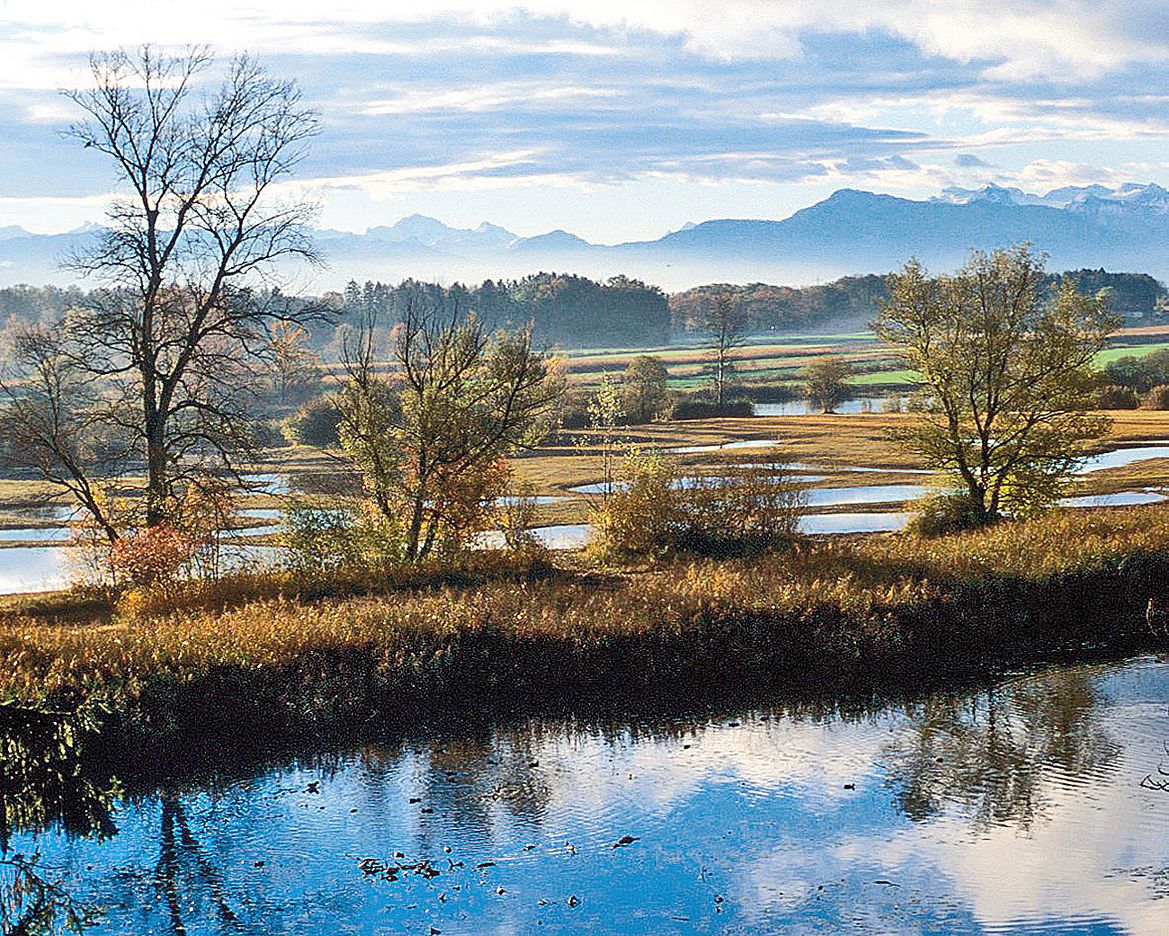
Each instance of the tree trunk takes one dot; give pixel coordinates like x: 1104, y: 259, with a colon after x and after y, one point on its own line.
x: 414, y: 531
x: 156, y: 468
x: 978, y: 503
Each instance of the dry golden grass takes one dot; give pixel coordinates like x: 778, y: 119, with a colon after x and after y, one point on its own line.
x: 832, y: 610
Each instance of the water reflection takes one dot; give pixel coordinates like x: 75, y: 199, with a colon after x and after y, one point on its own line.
x: 35, y: 535
x: 855, y: 522
x: 865, y: 494
x: 998, y: 756
x: 693, y: 481
x: 43, y: 785
x: 735, y: 446
x: 33, y: 568
x: 1118, y: 499
x: 1018, y: 806
x: 576, y: 535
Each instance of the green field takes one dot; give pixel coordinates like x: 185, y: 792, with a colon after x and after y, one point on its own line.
x: 885, y: 378
x: 776, y: 361
x: 771, y: 362
x: 1139, y: 351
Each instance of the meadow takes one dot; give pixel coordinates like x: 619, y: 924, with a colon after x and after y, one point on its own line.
x: 832, y: 443
x: 771, y: 361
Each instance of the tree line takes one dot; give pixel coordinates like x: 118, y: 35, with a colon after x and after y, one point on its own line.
x: 565, y: 309
x: 577, y: 312
x: 853, y: 301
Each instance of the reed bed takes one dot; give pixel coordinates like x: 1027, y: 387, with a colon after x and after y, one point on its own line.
x: 833, y: 614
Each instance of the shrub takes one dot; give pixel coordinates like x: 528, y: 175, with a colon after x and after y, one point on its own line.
x: 324, y: 542
x: 319, y: 540
x: 151, y: 556
x: 206, y: 510
x: 642, y: 516
x: 755, y: 510
x: 1157, y: 398
x: 315, y: 423
x: 772, y: 393
x: 515, y: 515
x: 644, y: 391
x: 1118, y: 398
x: 942, y: 514
x: 690, y: 408
x: 574, y: 411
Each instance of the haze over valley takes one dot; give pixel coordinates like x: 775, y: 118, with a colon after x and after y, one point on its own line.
x: 1122, y: 229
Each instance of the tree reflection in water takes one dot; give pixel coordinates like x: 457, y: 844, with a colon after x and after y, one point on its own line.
x: 43, y: 782
x: 739, y: 801
x: 989, y: 752
x: 183, y: 867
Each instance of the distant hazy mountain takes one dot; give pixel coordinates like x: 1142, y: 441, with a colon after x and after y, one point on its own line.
x: 1124, y: 228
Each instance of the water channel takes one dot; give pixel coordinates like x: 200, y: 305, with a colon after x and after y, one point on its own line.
x: 1017, y: 806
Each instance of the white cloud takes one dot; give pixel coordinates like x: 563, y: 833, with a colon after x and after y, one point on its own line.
x: 50, y: 214
x: 1054, y: 40
x: 467, y: 175
x: 487, y: 97
x: 1055, y: 173
x: 587, y: 95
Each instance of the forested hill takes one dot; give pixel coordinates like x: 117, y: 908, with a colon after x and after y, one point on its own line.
x: 851, y: 301
x: 846, y: 303
x: 572, y: 311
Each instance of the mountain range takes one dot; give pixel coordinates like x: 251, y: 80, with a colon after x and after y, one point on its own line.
x: 1124, y: 228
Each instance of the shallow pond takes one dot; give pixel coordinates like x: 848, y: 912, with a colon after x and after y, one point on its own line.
x: 46, y: 568
x: 692, y: 481
x: 557, y: 536
x: 1016, y: 807
x: 854, y: 469
x: 576, y: 535
x: 35, y: 535
x: 839, y: 523
x: 865, y: 494
x: 1122, y: 457
x: 1119, y: 499
x: 808, y: 408
x: 33, y: 568
x: 735, y: 446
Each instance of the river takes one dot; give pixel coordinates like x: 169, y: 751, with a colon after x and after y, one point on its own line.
x: 1018, y: 806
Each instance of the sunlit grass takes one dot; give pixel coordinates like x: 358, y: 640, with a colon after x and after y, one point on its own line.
x: 900, y: 377
x: 1109, y: 355
x: 268, y: 655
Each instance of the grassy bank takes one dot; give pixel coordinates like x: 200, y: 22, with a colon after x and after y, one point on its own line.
x: 891, y: 609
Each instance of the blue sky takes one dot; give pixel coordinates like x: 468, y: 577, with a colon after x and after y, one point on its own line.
x: 623, y: 120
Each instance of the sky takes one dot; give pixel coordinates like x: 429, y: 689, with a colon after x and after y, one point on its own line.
x: 624, y: 119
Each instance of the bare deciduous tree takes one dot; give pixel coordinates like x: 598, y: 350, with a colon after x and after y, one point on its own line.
x: 725, y: 321
x: 196, y: 234
x: 55, y: 419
